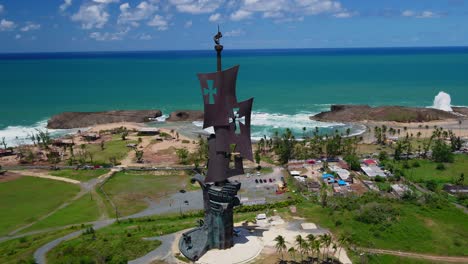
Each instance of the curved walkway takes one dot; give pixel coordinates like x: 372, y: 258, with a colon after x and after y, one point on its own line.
x: 46, y: 176
x: 416, y: 255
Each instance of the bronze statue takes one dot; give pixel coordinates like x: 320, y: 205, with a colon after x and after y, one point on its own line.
x: 231, y: 121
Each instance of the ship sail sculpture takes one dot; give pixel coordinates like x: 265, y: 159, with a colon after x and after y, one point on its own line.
x: 231, y: 143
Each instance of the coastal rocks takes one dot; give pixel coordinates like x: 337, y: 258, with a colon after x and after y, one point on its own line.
x: 69, y: 120
x: 356, y: 113
x: 185, y: 115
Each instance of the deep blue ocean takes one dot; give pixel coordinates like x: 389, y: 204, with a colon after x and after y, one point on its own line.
x: 288, y: 85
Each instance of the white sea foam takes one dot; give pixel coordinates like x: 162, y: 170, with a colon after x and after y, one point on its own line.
x: 442, y: 101
x: 162, y: 118
x: 19, y: 135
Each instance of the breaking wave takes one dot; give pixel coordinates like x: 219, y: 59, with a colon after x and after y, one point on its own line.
x: 19, y: 135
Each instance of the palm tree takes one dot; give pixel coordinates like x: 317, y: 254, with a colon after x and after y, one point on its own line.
x: 292, y: 253
x: 316, y: 248
x: 280, y: 245
x: 343, y: 240
x: 300, y: 245
x: 325, y: 241
x: 311, y: 240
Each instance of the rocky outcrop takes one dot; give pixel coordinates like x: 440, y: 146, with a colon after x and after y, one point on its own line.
x: 185, y: 115
x: 68, y: 120
x: 356, y: 113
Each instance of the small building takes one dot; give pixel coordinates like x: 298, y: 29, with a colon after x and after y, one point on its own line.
x: 373, y: 171
x: 456, y: 189
x: 148, y: 131
x: 370, y: 162
x: 371, y: 185
x: 295, y: 173
x: 342, y: 183
x: 6, y: 152
x: 342, y: 173
x: 63, y: 142
x: 400, y: 189
x: 91, y: 136
x: 313, y: 186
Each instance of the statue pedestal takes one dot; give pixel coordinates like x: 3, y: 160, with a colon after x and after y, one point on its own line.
x: 217, y: 230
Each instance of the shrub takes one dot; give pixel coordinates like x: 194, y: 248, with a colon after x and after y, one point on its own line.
x: 416, y: 164
x: 440, y: 166
x: 377, y: 213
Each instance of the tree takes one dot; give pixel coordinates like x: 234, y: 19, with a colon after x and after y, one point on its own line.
x: 139, y: 155
x: 431, y: 185
x: 257, y: 157
x: 280, y: 245
x: 124, y: 134
x: 53, y: 157
x: 4, y: 143
x: 301, y: 245
x: 292, y: 253
x: 441, y: 152
x: 183, y: 155
x: 353, y: 162
x: 324, y: 195
x: 461, y: 180
x: 383, y: 156
x: 102, y: 145
x: 325, y: 240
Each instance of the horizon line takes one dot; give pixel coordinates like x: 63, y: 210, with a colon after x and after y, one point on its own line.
x: 239, y: 49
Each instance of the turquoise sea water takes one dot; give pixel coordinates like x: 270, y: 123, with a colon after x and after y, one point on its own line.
x: 288, y: 85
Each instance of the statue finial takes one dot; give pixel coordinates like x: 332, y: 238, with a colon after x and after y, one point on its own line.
x: 217, y: 37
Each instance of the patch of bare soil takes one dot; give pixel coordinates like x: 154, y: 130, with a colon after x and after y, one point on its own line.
x: 9, y: 176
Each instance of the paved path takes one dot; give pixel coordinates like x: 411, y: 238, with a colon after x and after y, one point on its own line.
x: 46, y: 176
x: 416, y: 255
x: 164, y: 252
x: 40, y: 253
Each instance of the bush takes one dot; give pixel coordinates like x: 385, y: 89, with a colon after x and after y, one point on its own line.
x: 440, y: 166
x: 416, y: 164
x: 377, y: 213
x: 379, y: 178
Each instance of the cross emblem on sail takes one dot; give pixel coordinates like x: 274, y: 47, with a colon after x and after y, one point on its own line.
x: 230, y: 120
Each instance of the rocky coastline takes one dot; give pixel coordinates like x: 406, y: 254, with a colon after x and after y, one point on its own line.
x: 359, y: 113
x: 68, y: 120
x: 185, y: 116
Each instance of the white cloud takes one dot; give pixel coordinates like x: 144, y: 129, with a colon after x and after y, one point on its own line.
x: 196, y: 6
x: 287, y: 9
x: 215, y: 17
x: 63, y: 7
x: 240, y: 15
x: 18, y: 36
x: 408, y: 13
x: 145, y: 37
x: 6, y: 25
x: 91, y: 16
x: 423, y: 14
x: 159, y: 22
x: 427, y: 14
x: 345, y: 14
x: 142, y: 11
x: 234, y: 33
x: 106, y: 36
x: 106, y: 1
x: 30, y: 26
x: 188, y: 24
x: 2, y: 8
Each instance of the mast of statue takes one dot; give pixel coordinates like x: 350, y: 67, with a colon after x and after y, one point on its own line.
x: 227, y: 147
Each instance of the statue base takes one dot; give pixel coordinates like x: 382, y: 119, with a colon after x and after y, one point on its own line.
x: 217, y: 229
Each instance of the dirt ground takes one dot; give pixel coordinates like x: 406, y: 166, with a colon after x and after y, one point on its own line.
x: 9, y: 176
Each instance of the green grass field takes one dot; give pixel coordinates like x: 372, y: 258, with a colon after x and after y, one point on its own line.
x: 129, y: 189
x: 79, y: 175
x: 80, y: 211
x: 427, y: 171
x: 415, y: 229
x: 123, y: 241
x: 26, y: 199
x: 21, y: 250
x: 389, y: 259
x: 116, y: 148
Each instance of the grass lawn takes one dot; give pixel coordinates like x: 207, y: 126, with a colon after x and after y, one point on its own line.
x: 129, y: 189
x: 427, y: 171
x: 123, y: 241
x: 80, y: 211
x: 116, y: 148
x: 390, y: 259
x: 415, y: 229
x: 79, y: 175
x: 27, y: 198
x: 21, y: 250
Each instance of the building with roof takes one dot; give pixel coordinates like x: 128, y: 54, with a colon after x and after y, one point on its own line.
x: 148, y: 131
x: 400, y: 189
x: 373, y: 171
x: 342, y: 173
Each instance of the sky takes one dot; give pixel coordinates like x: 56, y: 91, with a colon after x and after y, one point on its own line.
x: 132, y: 25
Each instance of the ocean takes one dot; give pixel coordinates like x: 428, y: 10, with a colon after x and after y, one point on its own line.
x: 288, y: 85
